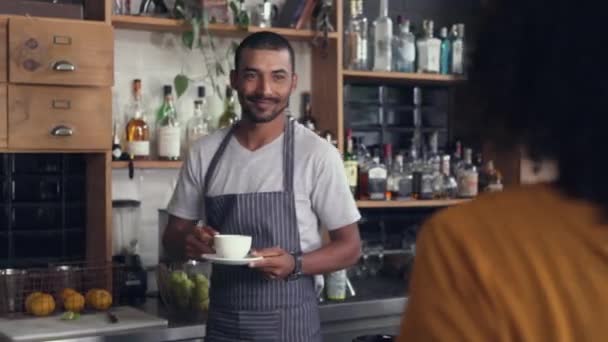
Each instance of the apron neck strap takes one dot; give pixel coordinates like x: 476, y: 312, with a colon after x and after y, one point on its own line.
x: 288, y: 155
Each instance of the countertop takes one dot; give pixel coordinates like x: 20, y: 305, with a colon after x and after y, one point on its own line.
x: 377, y: 305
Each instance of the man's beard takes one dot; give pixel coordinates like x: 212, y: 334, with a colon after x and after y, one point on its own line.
x: 250, y: 116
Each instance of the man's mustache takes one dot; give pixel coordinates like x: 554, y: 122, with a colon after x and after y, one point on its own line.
x: 262, y: 98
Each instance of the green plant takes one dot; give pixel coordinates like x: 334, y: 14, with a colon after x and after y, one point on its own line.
x: 199, y: 37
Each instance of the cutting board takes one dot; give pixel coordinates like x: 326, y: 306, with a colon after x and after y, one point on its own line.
x: 90, y: 324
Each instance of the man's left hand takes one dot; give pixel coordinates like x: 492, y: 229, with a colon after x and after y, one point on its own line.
x: 277, y: 263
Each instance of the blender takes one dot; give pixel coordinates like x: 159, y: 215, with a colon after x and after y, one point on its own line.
x: 132, y: 278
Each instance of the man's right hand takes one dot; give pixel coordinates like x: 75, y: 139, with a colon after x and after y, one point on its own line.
x: 200, y: 241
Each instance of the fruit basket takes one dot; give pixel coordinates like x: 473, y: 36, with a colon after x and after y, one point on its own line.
x: 184, y: 289
x: 73, y: 287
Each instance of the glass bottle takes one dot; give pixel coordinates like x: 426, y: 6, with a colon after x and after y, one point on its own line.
x: 229, y: 116
x: 467, y: 176
x: 458, y: 50
x: 383, y: 37
x: 405, y: 47
x: 306, y: 118
x: 356, y: 52
x: 395, y: 175
x: 446, y: 52
x: 377, y: 176
x: 116, y: 148
x: 416, y: 168
x: 388, y: 163
x: 450, y: 186
x: 169, y: 130
x: 456, y: 162
x: 137, y: 131
x: 364, y: 160
x: 429, y: 50
x: 198, y: 125
x: 350, y: 163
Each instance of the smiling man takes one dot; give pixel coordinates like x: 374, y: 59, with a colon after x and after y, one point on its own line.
x: 273, y: 179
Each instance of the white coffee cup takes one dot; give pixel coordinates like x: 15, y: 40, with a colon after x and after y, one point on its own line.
x: 232, y: 246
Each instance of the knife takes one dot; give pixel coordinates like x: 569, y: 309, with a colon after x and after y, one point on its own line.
x: 112, y: 318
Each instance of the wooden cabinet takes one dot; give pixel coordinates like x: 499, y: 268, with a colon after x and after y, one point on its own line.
x: 3, y: 48
x: 59, y: 118
x: 3, y: 117
x: 61, y: 52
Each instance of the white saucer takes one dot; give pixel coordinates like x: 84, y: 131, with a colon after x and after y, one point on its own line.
x: 224, y: 261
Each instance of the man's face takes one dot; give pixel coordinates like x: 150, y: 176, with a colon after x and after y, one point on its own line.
x: 264, y: 82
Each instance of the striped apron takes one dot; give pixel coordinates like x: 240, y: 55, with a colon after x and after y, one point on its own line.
x: 244, y: 305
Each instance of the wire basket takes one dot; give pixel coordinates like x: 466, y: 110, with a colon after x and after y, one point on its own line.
x: 16, y: 285
x: 184, y: 303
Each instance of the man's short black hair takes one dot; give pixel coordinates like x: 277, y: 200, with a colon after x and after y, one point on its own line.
x: 264, y: 41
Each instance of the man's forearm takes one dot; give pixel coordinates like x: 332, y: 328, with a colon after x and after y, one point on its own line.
x: 340, y: 253
x: 174, y: 237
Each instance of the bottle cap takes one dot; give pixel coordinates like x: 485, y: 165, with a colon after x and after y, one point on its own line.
x: 167, y: 90
x: 201, y: 91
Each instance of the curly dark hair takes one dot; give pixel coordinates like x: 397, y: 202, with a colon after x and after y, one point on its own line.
x: 538, y: 80
x: 264, y: 40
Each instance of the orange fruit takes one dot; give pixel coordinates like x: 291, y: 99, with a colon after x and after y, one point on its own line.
x: 42, y: 305
x: 74, y: 302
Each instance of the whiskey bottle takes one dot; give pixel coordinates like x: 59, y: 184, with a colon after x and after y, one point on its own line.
x: 229, y: 116
x: 138, y: 135
x: 376, y: 179
x: 169, y: 137
x: 467, y: 176
x: 350, y: 163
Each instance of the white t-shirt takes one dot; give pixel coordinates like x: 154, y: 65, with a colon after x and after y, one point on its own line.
x: 321, y: 190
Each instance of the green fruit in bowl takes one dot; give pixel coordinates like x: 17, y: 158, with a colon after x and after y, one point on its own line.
x: 200, y: 295
x: 181, y: 287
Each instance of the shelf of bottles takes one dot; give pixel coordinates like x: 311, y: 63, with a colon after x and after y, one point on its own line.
x: 221, y: 30
x: 363, y: 76
x: 368, y: 204
x: 148, y: 164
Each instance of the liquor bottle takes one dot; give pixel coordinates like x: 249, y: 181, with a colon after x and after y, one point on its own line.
x: 458, y: 49
x: 388, y: 163
x: 137, y: 130
x: 229, y: 116
x: 415, y: 166
x: 405, y: 47
x: 429, y: 50
x: 446, y: 52
x: 364, y: 160
x: 395, y: 175
x: 376, y: 179
x: 456, y: 162
x: 169, y: 131
x: 383, y: 38
x: 450, y: 185
x: 306, y: 118
x: 467, y: 176
x: 493, y: 178
x: 198, y: 125
x: 356, y: 42
x: 116, y: 149
x: 350, y: 163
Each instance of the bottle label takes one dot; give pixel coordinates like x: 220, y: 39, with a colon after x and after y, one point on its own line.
x: 169, y: 142
x: 139, y: 148
x: 336, y: 285
x: 433, y: 54
x: 350, y: 166
x: 467, y: 183
x: 377, y: 172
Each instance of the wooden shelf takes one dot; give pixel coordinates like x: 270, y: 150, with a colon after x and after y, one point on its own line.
x: 411, y: 203
x: 400, y: 77
x: 221, y: 30
x: 148, y: 164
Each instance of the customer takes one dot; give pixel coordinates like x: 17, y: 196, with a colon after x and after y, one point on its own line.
x: 529, y: 264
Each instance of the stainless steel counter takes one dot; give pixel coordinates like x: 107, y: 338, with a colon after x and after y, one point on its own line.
x: 370, y: 312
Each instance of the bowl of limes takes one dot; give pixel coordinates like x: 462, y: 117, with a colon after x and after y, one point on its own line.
x: 184, y: 289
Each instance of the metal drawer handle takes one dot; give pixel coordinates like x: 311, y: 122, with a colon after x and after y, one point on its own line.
x: 64, y: 66
x: 62, y: 131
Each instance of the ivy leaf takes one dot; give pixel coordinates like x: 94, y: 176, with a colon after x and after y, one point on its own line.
x: 180, y: 82
x: 234, y: 9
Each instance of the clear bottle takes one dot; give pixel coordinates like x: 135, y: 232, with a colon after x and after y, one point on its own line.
x: 429, y: 50
x: 350, y: 163
x: 356, y: 52
x: 446, y: 52
x: 137, y: 130
x: 116, y: 148
x: 377, y: 176
x: 456, y: 162
x: 394, y: 176
x: 458, y: 50
x: 229, y: 116
x: 467, y: 176
x: 169, y: 130
x: 404, y: 54
x: 383, y: 38
x: 416, y: 168
x: 199, y: 125
x: 450, y: 185
x: 364, y: 160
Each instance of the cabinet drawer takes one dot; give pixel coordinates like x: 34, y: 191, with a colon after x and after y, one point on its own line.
x: 3, y: 117
x: 59, y: 118
x: 3, y: 47
x: 61, y: 52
